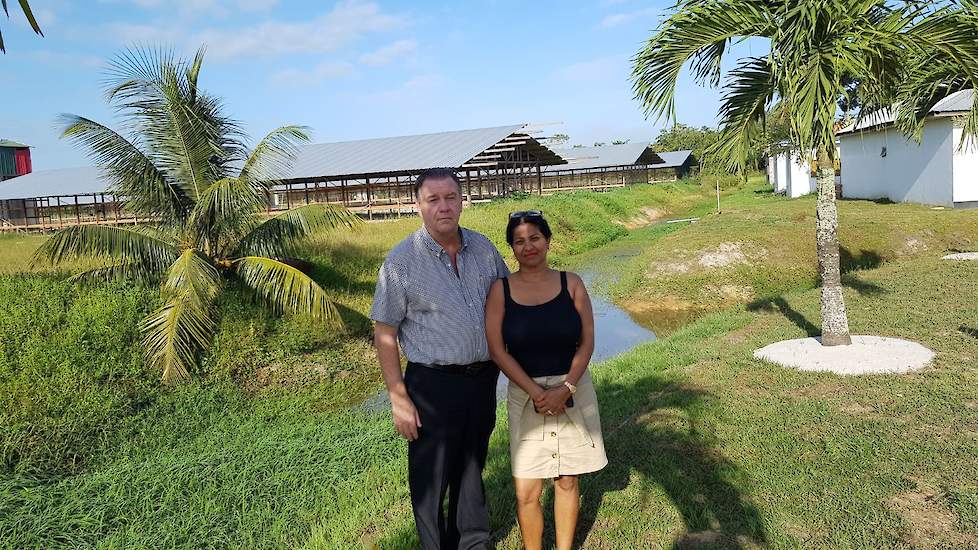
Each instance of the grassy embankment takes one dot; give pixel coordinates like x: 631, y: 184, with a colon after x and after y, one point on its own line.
x: 708, y: 447
x: 259, y: 449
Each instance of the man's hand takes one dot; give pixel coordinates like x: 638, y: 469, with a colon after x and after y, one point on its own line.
x: 552, y: 400
x: 406, y: 419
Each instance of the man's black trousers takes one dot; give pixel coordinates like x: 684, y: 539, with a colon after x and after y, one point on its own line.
x: 458, y: 413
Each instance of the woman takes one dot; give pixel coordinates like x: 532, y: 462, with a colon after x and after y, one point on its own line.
x: 540, y: 331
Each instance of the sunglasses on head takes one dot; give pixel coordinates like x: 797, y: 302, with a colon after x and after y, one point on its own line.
x: 526, y: 214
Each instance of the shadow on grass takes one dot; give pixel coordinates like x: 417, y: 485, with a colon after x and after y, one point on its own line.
x: 655, y: 432
x: 969, y: 331
x: 779, y: 304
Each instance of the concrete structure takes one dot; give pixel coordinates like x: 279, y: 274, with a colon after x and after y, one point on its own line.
x: 790, y: 174
x: 879, y: 162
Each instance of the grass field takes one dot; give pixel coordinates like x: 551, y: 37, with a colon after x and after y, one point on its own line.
x: 708, y: 447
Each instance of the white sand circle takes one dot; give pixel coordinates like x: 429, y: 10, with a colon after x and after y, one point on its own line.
x: 866, y: 355
x: 962, y: 256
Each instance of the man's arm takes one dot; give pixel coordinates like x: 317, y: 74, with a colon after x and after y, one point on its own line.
x: 406, y: 419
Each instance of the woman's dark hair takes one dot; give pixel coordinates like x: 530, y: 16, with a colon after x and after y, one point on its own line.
x: 538, y: 221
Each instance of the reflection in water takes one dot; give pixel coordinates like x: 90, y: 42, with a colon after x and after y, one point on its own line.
x: 664, y: 321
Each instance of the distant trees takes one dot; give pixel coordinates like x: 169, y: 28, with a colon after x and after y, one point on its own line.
x: 558, y: 140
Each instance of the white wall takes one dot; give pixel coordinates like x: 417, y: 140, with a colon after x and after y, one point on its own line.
x: 800, y: 180
x: 791, y: 175
x: 780, y: 174
x: 965, y: 166
x: 910, y: 172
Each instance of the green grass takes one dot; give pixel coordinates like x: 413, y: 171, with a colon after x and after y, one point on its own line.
x: 706, y: 443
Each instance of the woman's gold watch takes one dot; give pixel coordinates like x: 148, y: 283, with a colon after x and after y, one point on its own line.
x: 571, y: 387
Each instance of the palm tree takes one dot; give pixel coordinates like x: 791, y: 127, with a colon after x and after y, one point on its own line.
x: 26, y: 8
x: 813, y: 47
x: 185, y: 165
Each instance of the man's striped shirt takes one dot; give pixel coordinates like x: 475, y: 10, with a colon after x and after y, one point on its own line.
x: 440, y: 316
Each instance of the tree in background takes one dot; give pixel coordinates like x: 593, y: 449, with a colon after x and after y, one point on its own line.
x: 26, y: 8
x: 619, y: 141
x: 186, y: 165
x: 558, y: 140
x: 814, y: 44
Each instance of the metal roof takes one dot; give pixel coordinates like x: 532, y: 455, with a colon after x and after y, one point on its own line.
x: 49, y: 183
x: 958, y: 102
x: 396, y: 154
x: 321, y: 160
x: 12, y: 144
x: 579, y: 158
x: 674, y: 159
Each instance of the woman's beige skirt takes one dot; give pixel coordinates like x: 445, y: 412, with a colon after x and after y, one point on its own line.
x: 544, y: 446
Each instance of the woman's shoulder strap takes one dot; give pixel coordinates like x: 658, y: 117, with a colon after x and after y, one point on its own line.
x: 506, y: 288
x: 563, y: 280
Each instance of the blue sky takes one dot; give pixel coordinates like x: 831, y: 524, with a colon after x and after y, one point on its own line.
x: 350, y: 69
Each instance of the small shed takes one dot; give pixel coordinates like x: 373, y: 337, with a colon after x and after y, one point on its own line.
x: 790, y: 174
x: 15, y: 159
x: 878, y: 162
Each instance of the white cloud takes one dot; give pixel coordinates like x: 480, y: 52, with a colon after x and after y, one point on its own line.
x: 413, y: 88
x: 346, y: 22
x: 620, y: 18
x: 389, y: 53
x: 66, y: 59
x: 324, y: 71
x: 594, y: 69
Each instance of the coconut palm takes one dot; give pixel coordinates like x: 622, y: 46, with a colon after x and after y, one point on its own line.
x: 185, y: 165
x: 813, y: 45
x: 26, y: 8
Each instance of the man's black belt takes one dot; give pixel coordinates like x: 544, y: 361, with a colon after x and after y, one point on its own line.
x: 469, y: 370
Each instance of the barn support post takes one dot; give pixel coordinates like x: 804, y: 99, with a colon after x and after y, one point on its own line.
x: 370, y: 199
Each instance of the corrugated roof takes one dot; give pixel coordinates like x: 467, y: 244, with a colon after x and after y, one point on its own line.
x: 674, y: 159
x: 396, y: 154
x: 12, y: 144
x: 958, y: 102
x: 48, y: 183
x: 368, y: 156
x: 579, y: 158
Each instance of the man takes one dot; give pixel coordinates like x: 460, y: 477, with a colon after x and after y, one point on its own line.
x: 430, y: 298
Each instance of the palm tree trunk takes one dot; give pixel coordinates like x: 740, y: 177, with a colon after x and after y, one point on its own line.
x: 835, y: 324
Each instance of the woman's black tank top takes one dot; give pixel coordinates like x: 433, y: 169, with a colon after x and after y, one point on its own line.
x: 542, y: 338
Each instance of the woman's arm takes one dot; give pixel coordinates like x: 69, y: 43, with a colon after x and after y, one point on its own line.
x: 495, y: 307
x: 582, y: 302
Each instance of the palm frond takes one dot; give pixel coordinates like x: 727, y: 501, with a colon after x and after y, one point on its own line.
x: 135, y: 178
x: 273, y: 155
x: 224, y: 213
x: 286, y: 288
x: 698, y: 32
x: 278, y: 236
x: 26, y: 8
x: 150, y: 251
x: 750, y: 89
x: 175, y: 334
x: 129, y: 271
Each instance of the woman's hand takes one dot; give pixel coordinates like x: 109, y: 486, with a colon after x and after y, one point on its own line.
x: 552, y: 400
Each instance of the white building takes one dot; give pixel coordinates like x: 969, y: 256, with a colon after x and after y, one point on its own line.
x: 879, y: 162
x: 790, y: 174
